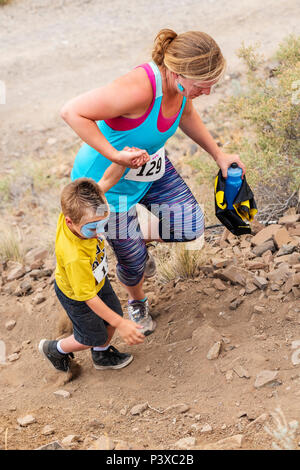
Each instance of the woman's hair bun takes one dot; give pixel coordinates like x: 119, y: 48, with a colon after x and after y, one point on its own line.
x: 161, y: 43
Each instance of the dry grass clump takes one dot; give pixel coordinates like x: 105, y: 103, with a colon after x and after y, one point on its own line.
x: 177, y: 260
x: 11, y: 244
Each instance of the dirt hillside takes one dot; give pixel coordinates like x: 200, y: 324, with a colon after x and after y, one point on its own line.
x: 243, y: 303
x: 225, y: 354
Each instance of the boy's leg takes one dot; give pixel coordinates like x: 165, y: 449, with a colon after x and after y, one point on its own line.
x: 69, y: 344
x: 89, y: 330
x: 106, y: 356
x: 60, y: 361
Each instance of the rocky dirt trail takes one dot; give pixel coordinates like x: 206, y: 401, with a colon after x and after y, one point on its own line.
x: 226, y: 354
x: 226, y: 351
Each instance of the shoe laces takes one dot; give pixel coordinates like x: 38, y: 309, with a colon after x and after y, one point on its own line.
x: 138, y: 310
x: 113, y: 353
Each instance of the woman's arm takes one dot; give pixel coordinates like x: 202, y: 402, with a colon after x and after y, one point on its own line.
x: 130, y: 94
x: 192, y: 125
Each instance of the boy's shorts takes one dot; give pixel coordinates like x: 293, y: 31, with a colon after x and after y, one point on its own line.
x: 89, y: 329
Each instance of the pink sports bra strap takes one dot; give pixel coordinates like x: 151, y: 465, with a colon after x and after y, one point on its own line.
x: 125, y: 124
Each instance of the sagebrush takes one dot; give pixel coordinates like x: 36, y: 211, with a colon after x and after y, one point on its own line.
x: 261, y: 122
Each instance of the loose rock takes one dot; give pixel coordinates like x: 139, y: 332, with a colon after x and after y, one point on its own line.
x: 24, y: 288
x: 35, y: 258
x: 229, y: 443
x: 263, y: 247
x: 138, y: 409
x: 48, y: 430
x: 206, y: 428
x: 265, y: 234
x: 258, y: 309
x: 265, y: 377
x: 62, y: 393
x: 16, y: 271
x: 26, y: 420
x: 289, y: 219
x: 71, y: 439
x: 214, y: 351
x: 13, y: 357
x: 95, y: 424
x: 233, y: 274
x: 229, y: 375
x: 55, y: 445
x: 250, y: 288
x: 179, y: 408
x: 10, y: 324
x: 286, y: 250
x: 260, y: 282
x: 38, y: 299
x: 218, y: 284
x: 235, y: 304
x: 186, y: 442
x: 281, y: 237
x: 241, y: 372
x: 103, y: 443
x: 296, y: 357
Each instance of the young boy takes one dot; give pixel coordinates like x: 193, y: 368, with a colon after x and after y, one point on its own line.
x: 81, y: 282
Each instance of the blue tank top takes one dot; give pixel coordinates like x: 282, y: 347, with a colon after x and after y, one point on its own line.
x: 91, y: 164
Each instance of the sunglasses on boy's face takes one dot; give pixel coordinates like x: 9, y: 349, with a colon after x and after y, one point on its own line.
x: 91, y: 229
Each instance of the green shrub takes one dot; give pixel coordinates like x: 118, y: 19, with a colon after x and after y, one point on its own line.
x: 263, y: 127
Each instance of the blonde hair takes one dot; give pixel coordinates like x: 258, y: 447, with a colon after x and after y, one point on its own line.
x: 82, y: 196
x: 193, y: 54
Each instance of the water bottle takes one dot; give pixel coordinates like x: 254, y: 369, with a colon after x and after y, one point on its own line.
x: 233, y: 184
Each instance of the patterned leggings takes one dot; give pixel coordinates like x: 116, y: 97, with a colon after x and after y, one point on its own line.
x: 180, y: 220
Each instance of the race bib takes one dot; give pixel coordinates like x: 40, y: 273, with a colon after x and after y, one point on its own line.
x: 101, y: 270
x: 151, y: 171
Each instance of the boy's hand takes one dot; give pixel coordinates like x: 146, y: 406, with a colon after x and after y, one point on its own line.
x: 129, y: 331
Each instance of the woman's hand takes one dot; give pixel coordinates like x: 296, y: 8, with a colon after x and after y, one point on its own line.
x: 224, y: 160
x: 132, y: 157
x: 129, y: 331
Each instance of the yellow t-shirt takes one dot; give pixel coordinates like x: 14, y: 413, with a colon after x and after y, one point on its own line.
x: 81, y: 263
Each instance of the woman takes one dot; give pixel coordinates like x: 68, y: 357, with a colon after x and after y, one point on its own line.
x: 128, y: 122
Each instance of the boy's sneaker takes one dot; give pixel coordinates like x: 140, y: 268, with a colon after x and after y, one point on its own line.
x: 138, y: 312
x: 150, y: 267
x: 111, y: 358
x: 59, y: 361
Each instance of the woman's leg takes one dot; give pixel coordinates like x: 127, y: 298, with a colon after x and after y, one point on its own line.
x: 125, y: 237
x: 179, y: 216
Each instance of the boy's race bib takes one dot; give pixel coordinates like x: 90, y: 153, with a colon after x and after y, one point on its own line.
x: 101, y: 270
x: 150, y: 171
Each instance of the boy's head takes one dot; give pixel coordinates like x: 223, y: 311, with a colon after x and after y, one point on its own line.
x: 84, y: 205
